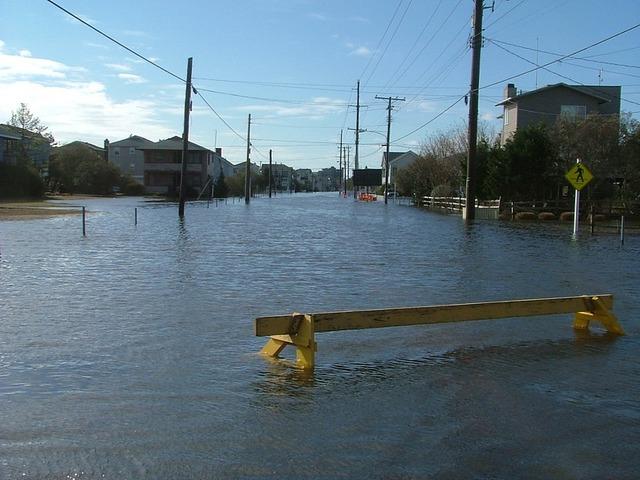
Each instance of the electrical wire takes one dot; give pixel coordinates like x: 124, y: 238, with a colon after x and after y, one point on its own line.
x: 130, y: 50
x: 563, y: 76
x: 431, y: 120
x: 585, y: 59
x: 538, y: 67
x: 395, y: 12
x: 393, y: 35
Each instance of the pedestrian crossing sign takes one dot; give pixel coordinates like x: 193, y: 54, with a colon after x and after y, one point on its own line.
x: 579, y: 176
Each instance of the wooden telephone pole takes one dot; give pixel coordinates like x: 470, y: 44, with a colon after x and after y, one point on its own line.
x: 270, y: 164
x: 386, y: 160
x: 247, y: 172
x: 476, y: 45
x: 185, y: 141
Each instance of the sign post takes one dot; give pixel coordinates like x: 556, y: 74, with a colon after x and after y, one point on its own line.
x: 578, y: 176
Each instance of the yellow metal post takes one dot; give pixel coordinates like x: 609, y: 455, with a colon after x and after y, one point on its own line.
x: 597, y: 311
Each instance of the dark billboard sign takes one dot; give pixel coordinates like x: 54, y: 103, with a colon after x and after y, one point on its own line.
x: 367, y: 177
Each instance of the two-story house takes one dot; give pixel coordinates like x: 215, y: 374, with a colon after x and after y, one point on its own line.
x: 16, y: 143
x: 547, y: 104
x: 128, y: 156
x: 163, y: 163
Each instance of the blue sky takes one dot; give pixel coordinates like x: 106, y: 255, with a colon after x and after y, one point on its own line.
x: 298, y: 62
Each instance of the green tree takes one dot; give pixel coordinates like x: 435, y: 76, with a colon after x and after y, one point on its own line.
x: 220, y: 187
x: 520, y: 170
x: 78, y: 169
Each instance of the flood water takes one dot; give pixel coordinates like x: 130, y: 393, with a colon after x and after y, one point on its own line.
x: 129, y: 354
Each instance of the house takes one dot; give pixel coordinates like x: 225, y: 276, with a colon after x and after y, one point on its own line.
x: 547, y: 104
x: 15, y: 142
x: 219, y: 165
x: 128, y: 156
x: 326, y: 180
x: 397, y: 161
x: 304, y: 177
x: 281, y: 176
x: 163, y: 163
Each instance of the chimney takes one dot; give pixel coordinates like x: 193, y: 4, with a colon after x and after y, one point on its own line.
x: 219, y: 151
x: 106, y: 149
x: 510, y: 90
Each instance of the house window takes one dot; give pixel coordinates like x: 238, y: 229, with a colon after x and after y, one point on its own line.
x: 506, y: 116
x: 573, y: 112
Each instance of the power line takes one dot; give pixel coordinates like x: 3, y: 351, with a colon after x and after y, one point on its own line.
x: 395, y: 12
x: 431, y: 120
x: 415, y: 43
x: 585, y: 59
x: 563, y: 57
x: 424, y: 47
x: 276, y: 100
x: 393, y: 35
x: 130, y: 50
x: 560, y: 75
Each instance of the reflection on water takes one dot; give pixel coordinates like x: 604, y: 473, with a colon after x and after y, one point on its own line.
x: 130, y: 353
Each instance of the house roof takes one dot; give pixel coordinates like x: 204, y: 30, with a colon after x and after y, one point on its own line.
x: 591, y: 91
x: 173, y: 143
x: 131, y: 139
x: 86, y: 144
x: 394, y: 156
x: 16, y: 133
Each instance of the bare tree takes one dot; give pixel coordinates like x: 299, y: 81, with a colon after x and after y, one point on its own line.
x: 28, y: 122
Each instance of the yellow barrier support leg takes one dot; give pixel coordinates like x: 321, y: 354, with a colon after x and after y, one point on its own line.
x: 600, y: 313
x: 302, y: 336
x: 306, y: 344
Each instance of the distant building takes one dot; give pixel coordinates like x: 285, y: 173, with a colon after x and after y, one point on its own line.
x: 163, y: 163
x: 547, y: 104
x: 281, y: 175
x: 326, y: 180
x: 397, y: 162
x: 128, y: 155
x: 304, y: 177
x: 219, y: 165
x: 15, y: 142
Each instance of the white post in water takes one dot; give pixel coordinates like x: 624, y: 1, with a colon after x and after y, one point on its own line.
x: 576, y: 209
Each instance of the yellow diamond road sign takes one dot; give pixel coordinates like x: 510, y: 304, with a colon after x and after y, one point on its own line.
x: 578, y: 176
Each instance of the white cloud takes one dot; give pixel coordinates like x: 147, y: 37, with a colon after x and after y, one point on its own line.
x: 19, y: 67
x: 318, y: 16
x: 316, y: 109
x: 76, y: 108
x: 118, y: 67
x: 361, y: 52
x: 24, y: 53
x: 488, y: 116
x: 1, y: 44
x: 97, y: 45
x: 131, y: 78
x: 135, y: 33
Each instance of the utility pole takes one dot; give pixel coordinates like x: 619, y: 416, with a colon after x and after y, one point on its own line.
x: 358, y: 131
x: 185, y: 141
x: 476, y: 45
x: 386, y: 160
x: 340, y: 151
x: 355, y: 160
x: 247, y: 172
x: 346, y: 152
x: 270, y: 173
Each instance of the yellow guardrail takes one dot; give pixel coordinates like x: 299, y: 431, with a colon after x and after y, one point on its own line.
x: 299, y: 329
